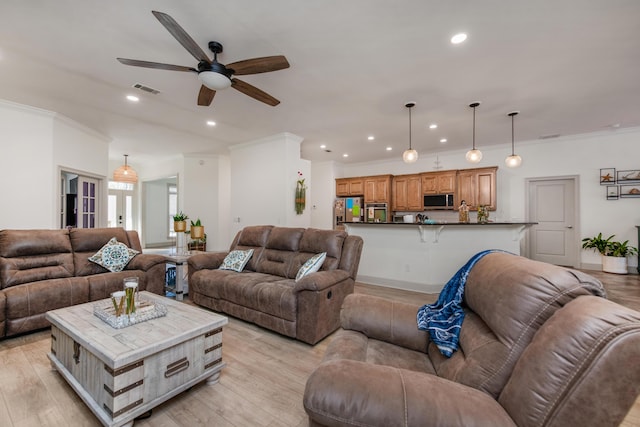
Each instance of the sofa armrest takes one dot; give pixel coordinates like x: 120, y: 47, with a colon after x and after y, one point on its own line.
x: 348, y: 392
x: 320, y: 280
x: 145, y: 262
x: 206, y: 261
x: 385, y: 320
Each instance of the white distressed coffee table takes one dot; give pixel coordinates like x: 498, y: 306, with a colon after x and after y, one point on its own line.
x: 123, y: 373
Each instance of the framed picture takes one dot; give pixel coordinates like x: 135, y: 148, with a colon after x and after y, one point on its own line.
x: 607, y: 176
x: 613, y: 192
x: 630, y: 190
x: 629, y: 177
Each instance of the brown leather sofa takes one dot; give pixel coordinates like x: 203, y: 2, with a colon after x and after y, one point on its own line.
x: 42, y: 270
x: 539, y: 346
x: 265, y: 292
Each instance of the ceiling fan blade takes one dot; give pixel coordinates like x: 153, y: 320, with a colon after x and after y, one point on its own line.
x: 156, y: 65
x: 181, y: 35
x: 205, y: 97
x: 259, y: 65
x: 254, y: 92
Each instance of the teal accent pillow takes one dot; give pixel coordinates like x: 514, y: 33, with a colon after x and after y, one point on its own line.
x: 312, y: 265
x: 236, y: 260
x: 114, y: 256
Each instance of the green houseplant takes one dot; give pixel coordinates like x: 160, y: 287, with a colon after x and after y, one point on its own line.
x: 614, y: 253
x: 197, y: 230
x: 180, y: 222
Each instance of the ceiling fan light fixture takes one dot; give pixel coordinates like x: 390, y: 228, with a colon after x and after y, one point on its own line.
x: 214, y: 80
x: 410, y: 155
x: 513, y: 161
x: 125, y: 173
x: 474, y: 155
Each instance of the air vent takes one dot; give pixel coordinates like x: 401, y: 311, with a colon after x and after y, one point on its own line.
x: 146, y: 88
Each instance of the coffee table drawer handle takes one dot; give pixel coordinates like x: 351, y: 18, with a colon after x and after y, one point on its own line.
x: 175, y: 367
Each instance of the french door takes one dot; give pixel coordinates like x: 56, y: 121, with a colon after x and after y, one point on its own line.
x: 120, y: 209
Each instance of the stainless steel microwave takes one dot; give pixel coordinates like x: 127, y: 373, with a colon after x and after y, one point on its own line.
x: 439, y: 201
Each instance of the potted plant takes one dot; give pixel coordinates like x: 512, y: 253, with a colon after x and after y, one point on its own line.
x: 614, y: 253
x: 197, y: 230
x: 180, y: 222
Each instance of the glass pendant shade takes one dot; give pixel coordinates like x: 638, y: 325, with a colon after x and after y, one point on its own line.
x: 474, y: 155
x: 410, y: 155
x: 513, y: 161
x: 124, y: 173
x: 214, y: 80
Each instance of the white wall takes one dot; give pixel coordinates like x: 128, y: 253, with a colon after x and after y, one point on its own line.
x: 581, y: 155
x: 263, y: 181
x: 37, y: 144
x: 156, y: 211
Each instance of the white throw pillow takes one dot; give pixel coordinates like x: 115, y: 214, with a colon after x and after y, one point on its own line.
x: 236, y: 260
x: 114, y: 256
x: 312, y: 265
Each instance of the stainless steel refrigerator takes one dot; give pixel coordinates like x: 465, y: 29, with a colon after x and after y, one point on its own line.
x: 348, y: 209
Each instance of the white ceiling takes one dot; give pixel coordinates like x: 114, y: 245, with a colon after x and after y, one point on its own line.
x: 569, y: 67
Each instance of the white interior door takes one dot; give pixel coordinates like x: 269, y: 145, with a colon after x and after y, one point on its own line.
x: 552, y: 204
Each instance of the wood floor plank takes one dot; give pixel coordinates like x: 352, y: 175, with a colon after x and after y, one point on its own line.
x: 261, y: 385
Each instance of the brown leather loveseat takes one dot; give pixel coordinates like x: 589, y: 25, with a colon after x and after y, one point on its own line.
x: 265, y: 291
x: 539, y: 346
x: 43, y: 270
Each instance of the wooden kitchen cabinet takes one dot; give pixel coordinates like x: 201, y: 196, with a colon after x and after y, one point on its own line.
x: 346, y: 187
x: 377, y: 189
x: 477, y: 187
x: 406, y: 193
x: 439, y: 182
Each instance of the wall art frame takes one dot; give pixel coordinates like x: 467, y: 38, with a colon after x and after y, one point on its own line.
x: 628, y: 176
x: 630, y: 191
x: 607, y: 176
x: 613, y: 192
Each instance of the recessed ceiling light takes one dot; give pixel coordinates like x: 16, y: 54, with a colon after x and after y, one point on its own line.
x: 458, y: 38
x: 389, y: 148
x: 443, y: 140
x: 133, y: 98
x: 345, y: 155
x: 211, y: 123
x: 371, y: 137
x: 433, y: 126
x: 323, y: 146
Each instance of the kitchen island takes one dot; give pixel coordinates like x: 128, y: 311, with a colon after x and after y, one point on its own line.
x: 423, y: 257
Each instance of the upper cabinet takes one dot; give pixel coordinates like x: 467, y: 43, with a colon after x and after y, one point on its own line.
x: 377, y: 189
x: 406, y: 193
x: 346, y: 187
x: 439, y: 182
x: 477, y: 187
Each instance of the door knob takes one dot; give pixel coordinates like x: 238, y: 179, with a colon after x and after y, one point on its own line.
x: 570, y: 226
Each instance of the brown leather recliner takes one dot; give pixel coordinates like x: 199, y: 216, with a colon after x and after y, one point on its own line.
x: 539, y: 346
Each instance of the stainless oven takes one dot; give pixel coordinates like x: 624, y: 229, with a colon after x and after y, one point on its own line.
x: 376, y: 212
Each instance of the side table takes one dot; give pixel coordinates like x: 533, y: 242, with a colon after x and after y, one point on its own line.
x: 179, y: 261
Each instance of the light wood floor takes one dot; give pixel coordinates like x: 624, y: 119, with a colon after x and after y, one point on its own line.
x: 261, y: 385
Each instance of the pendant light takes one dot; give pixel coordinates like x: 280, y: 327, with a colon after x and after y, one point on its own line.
x: 513, y: 161
x: 410, y: 155
x: 124, y: 173
x: 474, y: 155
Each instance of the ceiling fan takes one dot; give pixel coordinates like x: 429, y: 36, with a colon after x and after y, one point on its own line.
x: 214, y: 75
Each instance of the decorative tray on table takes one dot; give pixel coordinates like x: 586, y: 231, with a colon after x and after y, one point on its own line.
x: 145, y: 310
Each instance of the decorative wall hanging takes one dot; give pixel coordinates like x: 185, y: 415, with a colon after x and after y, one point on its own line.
x: 301, y: 197
x: 620, y: 184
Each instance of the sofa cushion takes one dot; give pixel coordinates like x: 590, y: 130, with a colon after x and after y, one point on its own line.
x: 312, y: 265
x: 255, y: 238
x: 315, y: 241
x: 87, y: 241
x: 236, y: 260
x: 508, y: 298
x: 32, y: 255
x: 280, y: 250
x: 114, y: 256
